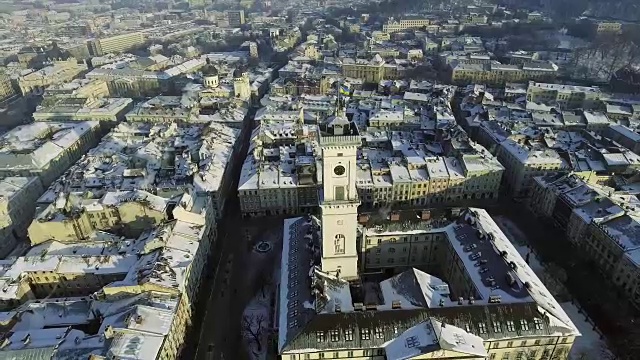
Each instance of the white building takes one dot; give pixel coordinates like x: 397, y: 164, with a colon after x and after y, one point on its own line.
x: 166, y: 159
x: 523, y: 162
x: 45, y: 149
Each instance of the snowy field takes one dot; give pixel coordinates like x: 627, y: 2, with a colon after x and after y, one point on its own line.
x: 589, y: 346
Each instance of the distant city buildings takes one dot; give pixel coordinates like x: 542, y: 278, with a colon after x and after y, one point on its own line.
x: 235, y: 18
x: 115, y: 44
x: 386, y: 136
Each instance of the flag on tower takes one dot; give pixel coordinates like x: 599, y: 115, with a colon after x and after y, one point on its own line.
x: 344, y: 89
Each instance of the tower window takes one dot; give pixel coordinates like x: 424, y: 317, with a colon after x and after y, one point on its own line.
x: 338, y: 244
x: 339, y: 170
x: 339, y: 194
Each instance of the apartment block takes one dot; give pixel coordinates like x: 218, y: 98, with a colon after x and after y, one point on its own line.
x: 463, y: 73
x: 104, y: 110
x: 235, y: 18
x: 397, y: 25
x: 115, y: 44
x: 523, y: 162
x: 565, y: 97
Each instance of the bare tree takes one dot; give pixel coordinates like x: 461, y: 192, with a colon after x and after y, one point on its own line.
x: 253, y: 326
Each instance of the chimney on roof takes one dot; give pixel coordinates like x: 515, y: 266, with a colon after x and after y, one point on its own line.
x: 460, y: 300
x: 395, y: 216
x: 363, y: 218
x: 358, y: 306
x: 471, y: 300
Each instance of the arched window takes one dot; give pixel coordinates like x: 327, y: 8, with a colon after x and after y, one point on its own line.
x: 338, y: 244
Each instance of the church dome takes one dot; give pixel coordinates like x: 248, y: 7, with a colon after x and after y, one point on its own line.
x: 209, y: 70
x: 237, y: 73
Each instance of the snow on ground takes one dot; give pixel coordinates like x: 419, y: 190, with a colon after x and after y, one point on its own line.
x: 589, y: 346
x: 256, y: 324
x: 520, y: 242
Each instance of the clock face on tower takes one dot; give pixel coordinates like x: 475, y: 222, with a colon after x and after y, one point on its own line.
x: 339, y: 170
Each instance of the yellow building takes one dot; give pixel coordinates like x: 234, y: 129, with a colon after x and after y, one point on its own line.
x: 609, y: 27
x: 70, y: 219
x: 79, y: 88
x: 564, y: 96
x: 115, y: 44
x: 463, y: 72
x: 370, y: 71
x: 6, y: 89
x: 393, y: 25
x: 58, y: 73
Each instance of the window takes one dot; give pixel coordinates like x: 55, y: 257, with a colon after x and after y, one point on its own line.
x: 510, y: 326
x: 339, y: 193
x: 307, y: 356
x: 563, y: 340
x: 505, y: 356
x: 365, y: 334
x: 321, y: 355
x: 537, y: 323
x: 524, y: 325
x: 348, y: 334
x: 545, y: 354
x: 496, y: 327
x: 379, y: 333
x: 392, y: 250
x: 334, y: 335
x: 482, y: 328
x: 338, y: 244
x: 509, y: 344
x: 349, y: 354
x: 320, y: 336
x: 336, y: 355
